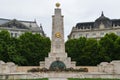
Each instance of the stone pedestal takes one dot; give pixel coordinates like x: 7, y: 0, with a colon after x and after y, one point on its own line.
x: 50, y: 60
x: 1, y: 66
x: 110, y: 68
x: 8, y: 67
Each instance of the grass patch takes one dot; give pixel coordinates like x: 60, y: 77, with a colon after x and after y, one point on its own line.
x: 35, y: 79
x: 90, y: 79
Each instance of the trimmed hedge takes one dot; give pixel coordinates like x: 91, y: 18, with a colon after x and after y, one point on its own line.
x: 65, y: 70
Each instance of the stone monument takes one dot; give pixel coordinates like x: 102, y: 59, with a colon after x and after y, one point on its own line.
x: 57, y: 58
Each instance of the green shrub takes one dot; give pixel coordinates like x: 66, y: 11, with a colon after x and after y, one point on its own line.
x: 65, y: 70
x: 36, y: 79
x: 83, y: 70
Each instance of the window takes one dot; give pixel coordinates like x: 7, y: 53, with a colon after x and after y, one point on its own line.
x: 15, y: 34
x: 102, y: 34
x: 94, y: 34
x: 12, y: 35
x: 87, y: 35
x: 80, y: 35
x: 73, y: 36
x: 118, y: 33
x: 81, y: 27
x: 88, y: 27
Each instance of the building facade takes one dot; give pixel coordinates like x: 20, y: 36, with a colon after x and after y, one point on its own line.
x: 96, y: 29
x: 17, y: 27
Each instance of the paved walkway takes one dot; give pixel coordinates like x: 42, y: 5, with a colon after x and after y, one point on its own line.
x: 57, y: 79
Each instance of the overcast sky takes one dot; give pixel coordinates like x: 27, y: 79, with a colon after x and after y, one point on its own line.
x: 74, y: 11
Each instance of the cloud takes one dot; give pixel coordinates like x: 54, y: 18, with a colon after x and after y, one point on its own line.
x: 74, y: 11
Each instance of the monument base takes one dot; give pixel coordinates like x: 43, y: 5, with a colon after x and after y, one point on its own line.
x: 64, y: 59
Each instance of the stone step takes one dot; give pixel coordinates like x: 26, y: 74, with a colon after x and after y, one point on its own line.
x: 57, y: 79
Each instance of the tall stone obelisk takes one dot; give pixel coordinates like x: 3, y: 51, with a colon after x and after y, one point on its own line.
x: 57, y: 45
x: 57, y: 57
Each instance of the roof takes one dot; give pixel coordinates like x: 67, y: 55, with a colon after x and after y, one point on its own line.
x: 32, y: 25
x: 2, y: 21
x: 102, y: 19
x: 27, y: 23
x: 84, y: 25
x: 115, y: 22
